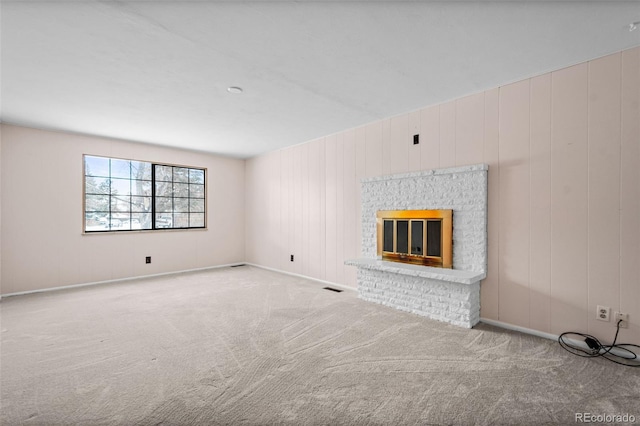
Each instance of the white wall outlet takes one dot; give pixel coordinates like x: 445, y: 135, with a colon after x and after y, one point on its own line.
x: 602, y: 313
x: 624, y: 318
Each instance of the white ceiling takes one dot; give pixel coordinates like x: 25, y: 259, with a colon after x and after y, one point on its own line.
x: 157, y: 71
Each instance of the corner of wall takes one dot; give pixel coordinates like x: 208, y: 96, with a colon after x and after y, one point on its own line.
x: 244, y: 209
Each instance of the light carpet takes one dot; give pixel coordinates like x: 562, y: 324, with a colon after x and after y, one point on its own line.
x: 250, y: 346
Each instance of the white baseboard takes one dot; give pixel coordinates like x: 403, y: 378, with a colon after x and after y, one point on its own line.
x: 495, y: 323
x: 579, y: 343
x: 520, y: 329
x: 332, y: 284
x: 66, y: 287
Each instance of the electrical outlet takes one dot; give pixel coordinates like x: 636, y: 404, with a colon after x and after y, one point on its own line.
x: 147, y: 259
x: 624, y: 318
x: 292, y: 258
x: 602, y: 313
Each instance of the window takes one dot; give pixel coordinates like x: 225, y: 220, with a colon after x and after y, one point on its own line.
x: 125, y: 195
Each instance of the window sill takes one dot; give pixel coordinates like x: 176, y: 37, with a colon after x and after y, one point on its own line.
x: 143, y: 231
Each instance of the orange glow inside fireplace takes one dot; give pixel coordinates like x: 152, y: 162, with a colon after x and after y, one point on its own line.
x: 421, y: 237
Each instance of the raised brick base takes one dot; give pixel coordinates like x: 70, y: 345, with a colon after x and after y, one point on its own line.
x: 455, y: 303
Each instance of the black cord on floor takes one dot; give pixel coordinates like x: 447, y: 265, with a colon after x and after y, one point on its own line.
x: 597, y: 349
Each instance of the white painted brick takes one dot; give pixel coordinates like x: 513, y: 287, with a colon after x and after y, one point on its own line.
x: 449, y: 302
x: 462, y: 189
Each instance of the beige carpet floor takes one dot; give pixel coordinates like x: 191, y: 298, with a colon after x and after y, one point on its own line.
x: 249, y: 346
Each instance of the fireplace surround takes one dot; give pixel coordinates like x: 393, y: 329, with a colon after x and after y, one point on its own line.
x: 449, y: 295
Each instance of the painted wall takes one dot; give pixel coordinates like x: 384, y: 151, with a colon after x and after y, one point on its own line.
x: 564, y: 193
x: 0, y: 209
x: 42, y: 241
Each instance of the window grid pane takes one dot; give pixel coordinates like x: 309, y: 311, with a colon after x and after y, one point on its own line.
x: 123, y: 195
x: 179, y: 197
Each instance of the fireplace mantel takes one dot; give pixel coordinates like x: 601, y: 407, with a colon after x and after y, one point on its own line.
x: 442, y: 274
x: 449, y: 295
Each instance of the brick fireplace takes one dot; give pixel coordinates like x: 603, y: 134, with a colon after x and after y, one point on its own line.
x: 449, y: 295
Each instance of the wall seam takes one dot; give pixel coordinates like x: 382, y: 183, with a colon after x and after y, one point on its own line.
x: 530, y: 201
x: 498, y: 186
x: 549, y: 189
x: 455, y: 133
x: 620, y: 179
x: 439, y: 136
x: 551, y: 140
x: 588, y: 192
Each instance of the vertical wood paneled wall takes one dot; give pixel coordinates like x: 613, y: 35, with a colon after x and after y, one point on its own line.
x: 564, y: 193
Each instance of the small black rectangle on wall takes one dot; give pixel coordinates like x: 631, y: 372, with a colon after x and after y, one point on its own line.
x: 416, y: 139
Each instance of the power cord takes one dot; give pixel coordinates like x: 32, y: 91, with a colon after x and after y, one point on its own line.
x: 597, y: 349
